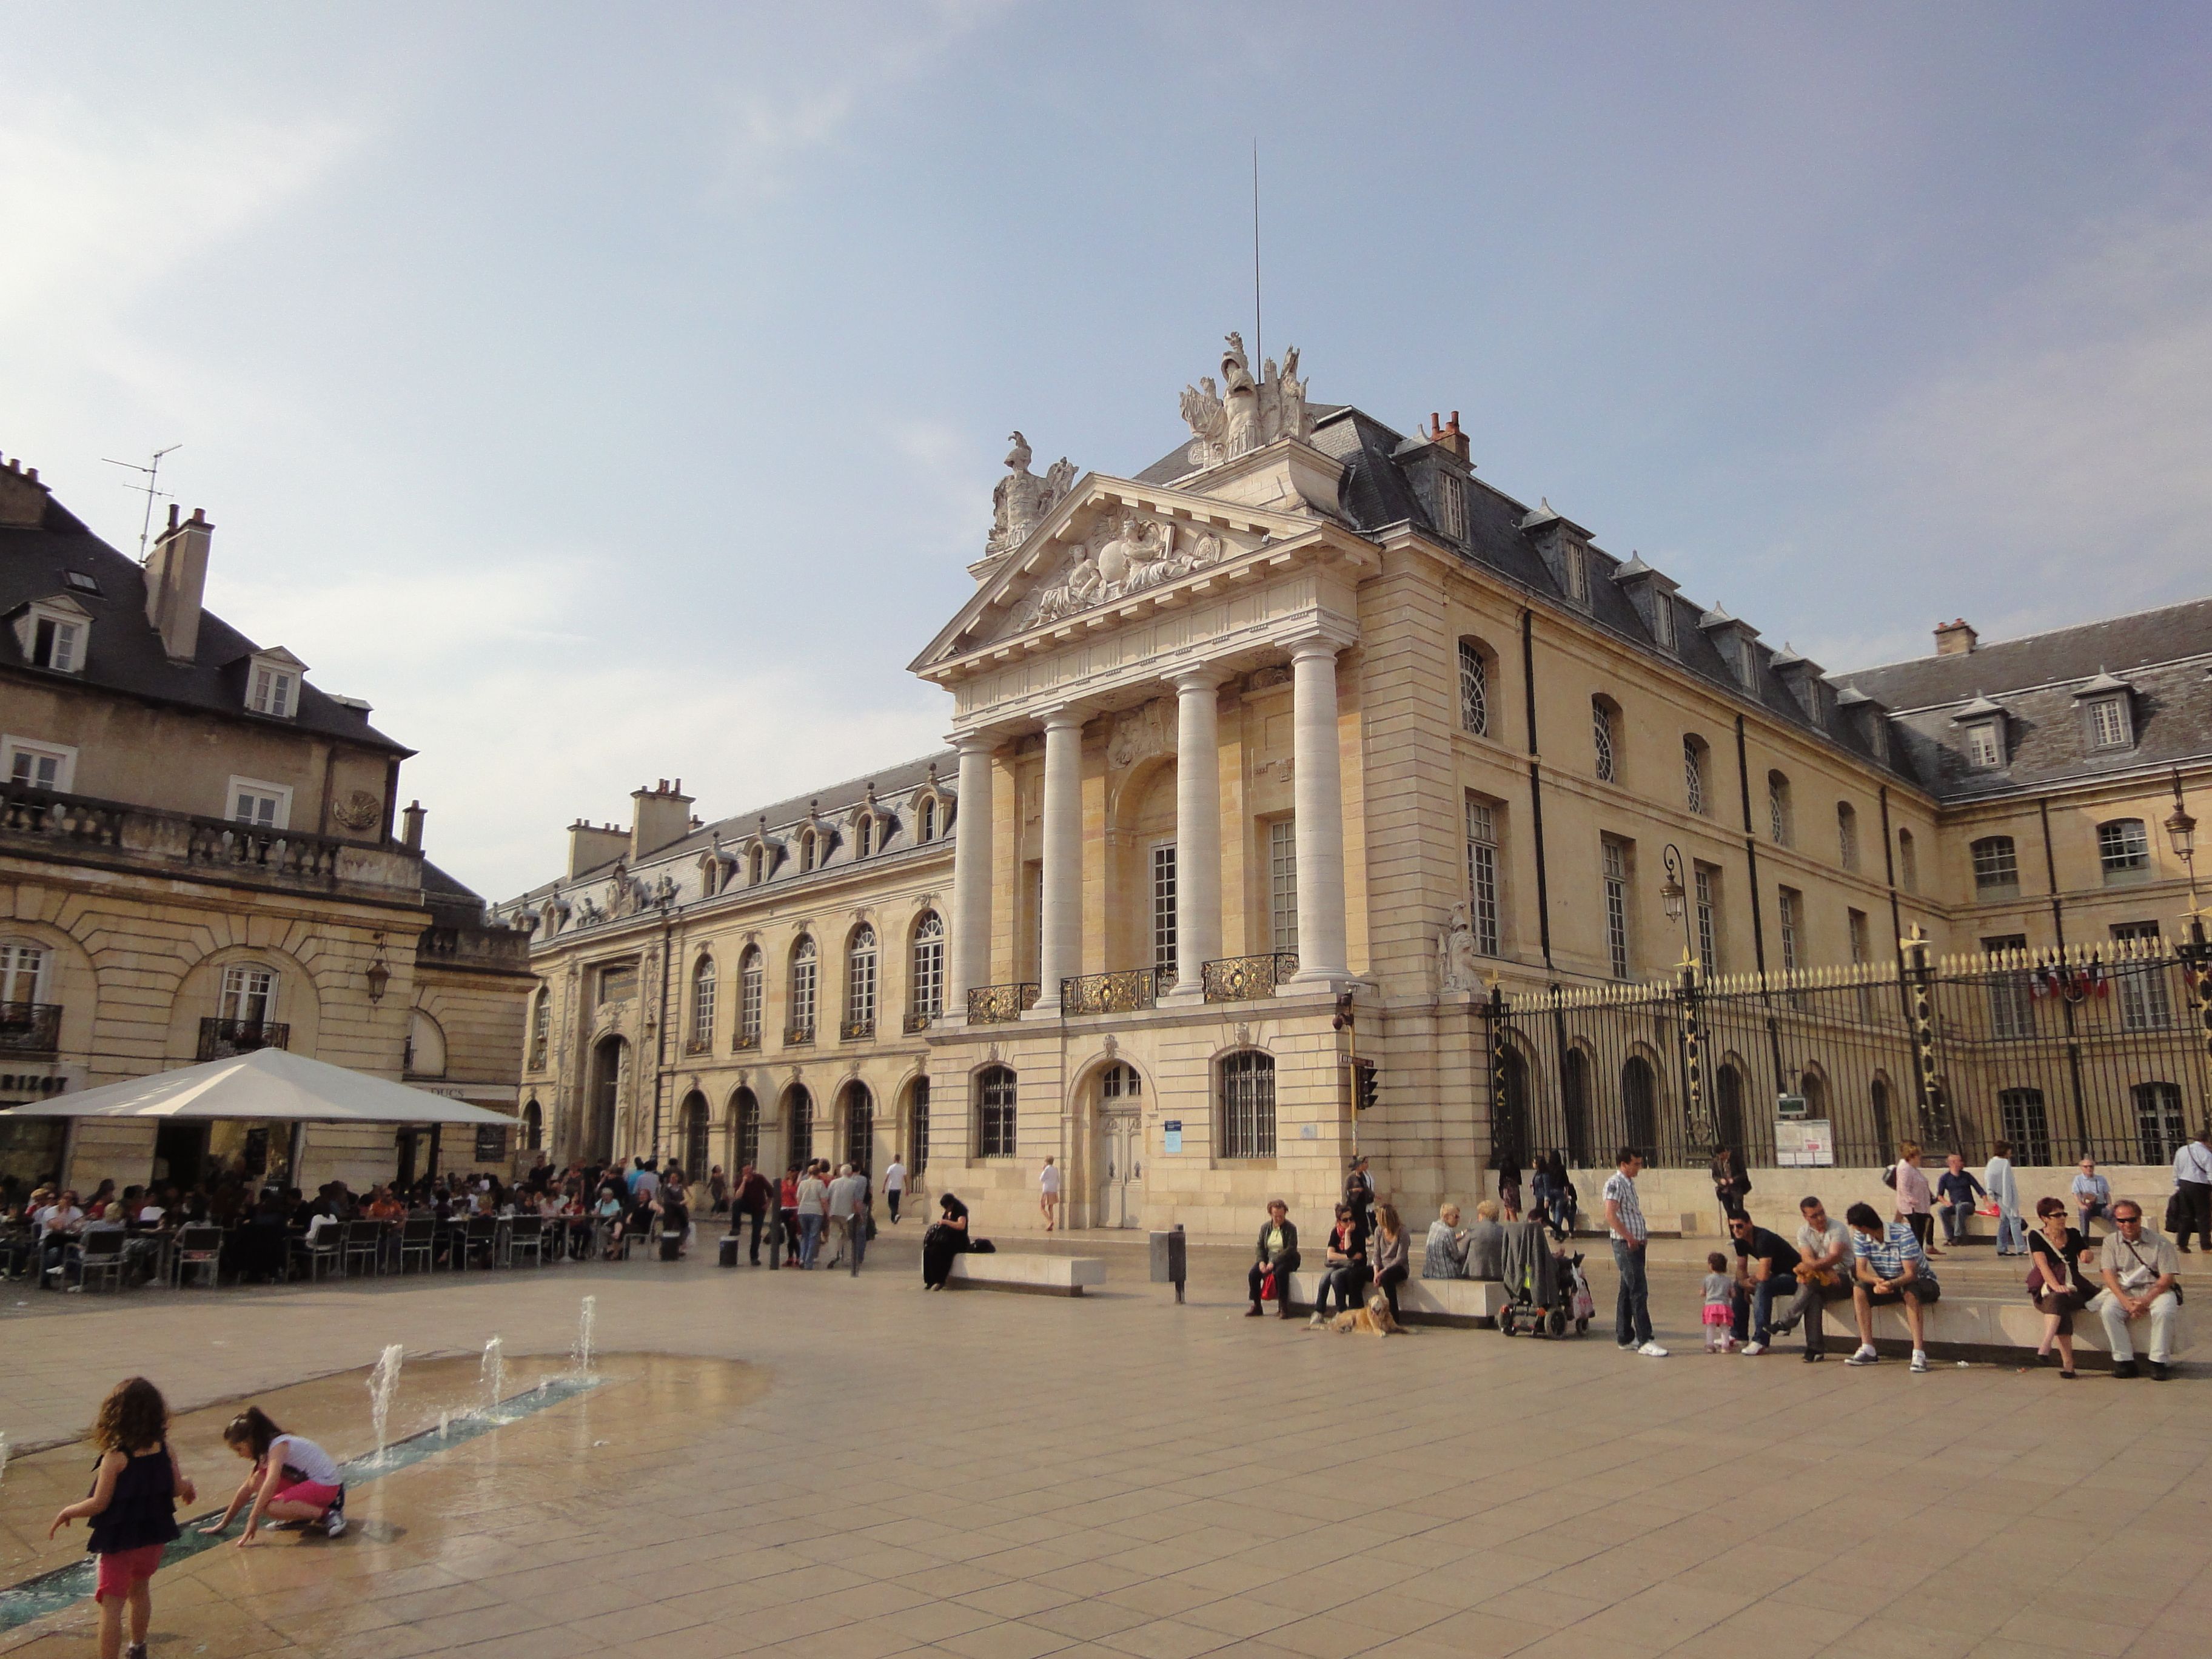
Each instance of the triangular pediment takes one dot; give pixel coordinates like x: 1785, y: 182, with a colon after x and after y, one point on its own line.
x: 1110, y: 542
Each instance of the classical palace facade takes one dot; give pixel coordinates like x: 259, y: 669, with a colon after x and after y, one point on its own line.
x: 201, y: 854
x: 1279, y: 768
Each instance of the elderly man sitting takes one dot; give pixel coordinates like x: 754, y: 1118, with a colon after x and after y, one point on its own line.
x: 2139, y: 1269
x: 1445, y: 1256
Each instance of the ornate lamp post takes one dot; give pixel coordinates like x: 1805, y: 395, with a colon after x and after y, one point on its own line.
x: 2181, y: 835
x: 1675, y: 897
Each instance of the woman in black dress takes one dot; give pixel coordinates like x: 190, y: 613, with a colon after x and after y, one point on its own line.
x: 946, y: 1238
x: 2054, y: 1281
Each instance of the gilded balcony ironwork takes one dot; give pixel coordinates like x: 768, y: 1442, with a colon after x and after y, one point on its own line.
x: 996, y: 1004
x: 1242, y: 979
x: 1109, y: 994
x: 30, y: 1027
x: 798, y: 1036
x: 699, y: 1045
x: 856, y: 1030
x: 744, y: 1041
x: 919, y: 1022
x: 224, y: 1039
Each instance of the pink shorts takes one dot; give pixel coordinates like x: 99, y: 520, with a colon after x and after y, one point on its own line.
x: 307, y: 1492
x: 124, y: 1570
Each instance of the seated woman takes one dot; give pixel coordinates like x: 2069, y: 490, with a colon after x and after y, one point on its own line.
x: 611, y: 1212
x: 2055, y: 1283
x: 1393, y: 1251
x: 1445, y: 1255
x: 1347, y: 1273
x: 1277, y: 1253
x: 946, y: 1238
x: 1485, y: 1243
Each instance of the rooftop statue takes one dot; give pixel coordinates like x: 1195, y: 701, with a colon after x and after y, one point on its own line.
x: 1240, y: 415
x: 1020, y: 502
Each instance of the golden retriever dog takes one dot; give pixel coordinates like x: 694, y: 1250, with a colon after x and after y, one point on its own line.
x: 1372, y: 1320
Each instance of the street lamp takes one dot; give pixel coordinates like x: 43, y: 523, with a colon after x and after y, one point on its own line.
x: 1673, y: 895
x: 2181, y: 835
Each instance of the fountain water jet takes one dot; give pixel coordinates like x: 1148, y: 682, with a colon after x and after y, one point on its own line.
x: 383, y: 1383
x: 493, y: 1373
x: 584, y: 1320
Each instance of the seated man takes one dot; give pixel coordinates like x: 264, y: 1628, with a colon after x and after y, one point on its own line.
x: 1955, y: 1193
x: 1486, y: 1242
x: 1891, y: 1267
x: 2092, y: 1197
x: 1445, y: 1256
x: 2139, y: 1269
x: 1826, y: 1269
x: 1767, y: 1269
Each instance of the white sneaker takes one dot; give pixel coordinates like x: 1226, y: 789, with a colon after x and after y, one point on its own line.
x: 1919, y: 1359
x: 1652, y: 1350
x: 1318, y: 1319
x: 1752, y: 1350
x: 1865, y: 1356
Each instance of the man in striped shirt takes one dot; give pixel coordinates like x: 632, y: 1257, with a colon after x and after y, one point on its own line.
x: 1891, y: 1267
x: 1623, y: 1219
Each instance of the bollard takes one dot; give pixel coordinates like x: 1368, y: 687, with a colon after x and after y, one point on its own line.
x: 729, y: 1249
x: 1170, y: 1259
x: 774, y: 1240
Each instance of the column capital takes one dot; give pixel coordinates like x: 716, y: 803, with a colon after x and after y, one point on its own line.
x: 974, y: 743
x: 1321, y: 642
x: 1205, y: 677
x: 1067, y: 716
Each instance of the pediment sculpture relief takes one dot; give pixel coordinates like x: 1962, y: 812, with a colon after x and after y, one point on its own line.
x: 1241, y: 413
x: 1020, y: 502
x: 1124, y: 557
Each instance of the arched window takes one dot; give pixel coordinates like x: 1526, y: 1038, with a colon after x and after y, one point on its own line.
x: 864, y: 835
x: 751, y: 989
x: 1248, y: 1104
x: 541, y: 1027
x: 249, y: 994
x: 1473, y: 688
x: 860, y: 1126
x: 926, y: 819
x: 860, y: 983
x: 1778, y: 819
x: 1847, y: 834
x: 1908, y: 862
x: 1640, y: 1106
x: 702, y: 1006
x: 756, y: 866
x: 1605, y: 726
x: 1814, y: 1085
x: 807, y: 848
x: 1693, y: 773
x: 925, y: 981
x: 692, y: 1137
x: 917, y: 1112
x: 2124, y: 849
x: 994, y: 1112
x: 1996, y: 864
x: 426, y: 1046
x: 533, y: 1127
x: 799, y: 1117
x: 804, y: 968
x: 744, y: 1122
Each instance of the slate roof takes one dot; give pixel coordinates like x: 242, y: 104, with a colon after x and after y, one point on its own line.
x: 124, y: 654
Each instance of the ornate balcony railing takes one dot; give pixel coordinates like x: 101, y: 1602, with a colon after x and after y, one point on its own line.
x: 856, y: 1030
x: 1109, y: 994
x: 744, y: 1041
x: 1241, y: 979
x: 696, y: 1044
x: 918, y: 1021
x: 223, y: 1039
x: 995, y: 1005
x: 30, y: 1027
x: 798, y: 1036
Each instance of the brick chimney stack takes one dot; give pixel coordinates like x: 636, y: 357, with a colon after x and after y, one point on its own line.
x: 176, y: 577
x: 1447, y: 434
x: 1955, y: 638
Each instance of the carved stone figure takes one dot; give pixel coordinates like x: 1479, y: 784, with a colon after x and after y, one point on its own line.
x: 1139, y: 733
x: 357, y: 812
x: 1135, y: 554
x: 1242, y: 414
x: 1020, y: 502
x: 1458, y: 968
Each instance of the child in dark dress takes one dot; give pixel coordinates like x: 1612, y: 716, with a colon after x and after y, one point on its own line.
x: 132, y: 1509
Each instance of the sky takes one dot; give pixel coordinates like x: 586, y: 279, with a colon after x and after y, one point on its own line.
x: 608, y: 394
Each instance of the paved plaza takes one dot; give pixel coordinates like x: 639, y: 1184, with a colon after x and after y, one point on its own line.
x: 834, y: 1468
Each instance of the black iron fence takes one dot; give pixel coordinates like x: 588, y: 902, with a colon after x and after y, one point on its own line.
x: 2100, y: 1052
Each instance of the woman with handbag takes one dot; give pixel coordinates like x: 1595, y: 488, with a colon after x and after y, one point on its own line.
x: 1277, y: 1260
x: 2055, y: 1282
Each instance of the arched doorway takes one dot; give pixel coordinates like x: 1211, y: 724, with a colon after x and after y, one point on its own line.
x: 609, y: 1073
x: 1115, y: 1108
x: 860, y: 1122
x: 744, y: 1129
x: 798, y: 1125
x: 1640, y: 1106
x: 533, y: 1127
x: 692, y: 1135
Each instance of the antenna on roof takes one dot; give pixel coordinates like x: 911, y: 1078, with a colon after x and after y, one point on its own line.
x: 148, y: 490
x: 1259, y: 352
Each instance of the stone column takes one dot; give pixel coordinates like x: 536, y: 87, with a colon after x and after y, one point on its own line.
x: 1317, y: 797
x: 970, y: 962
x: 1198, y: 829
x: 1062, y: 953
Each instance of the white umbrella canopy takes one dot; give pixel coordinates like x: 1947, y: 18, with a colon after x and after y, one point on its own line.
x: 267, y: 1084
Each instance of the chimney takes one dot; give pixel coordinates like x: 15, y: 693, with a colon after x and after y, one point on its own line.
x: 410, y: 827
x: 1954, y: 639
x: 176, y: 577
x: 23, y: 497
x: 591, y: 845
x: 661, y: 817
x: 1447, y: 434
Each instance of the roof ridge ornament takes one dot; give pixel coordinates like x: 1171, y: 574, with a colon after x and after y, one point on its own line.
x: 1242, y: 414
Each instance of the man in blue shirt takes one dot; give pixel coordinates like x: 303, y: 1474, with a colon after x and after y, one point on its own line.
x: 1955, y: 1193
x: 1891, y: 1267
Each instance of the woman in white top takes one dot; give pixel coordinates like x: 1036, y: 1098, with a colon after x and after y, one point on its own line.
x: 2004, y: 1192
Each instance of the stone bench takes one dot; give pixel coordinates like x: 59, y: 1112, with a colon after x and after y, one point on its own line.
x: 1463, y: 1302
x: 1998, y: 1328
x: 1036, y: 1275
x: 1658, y: 1224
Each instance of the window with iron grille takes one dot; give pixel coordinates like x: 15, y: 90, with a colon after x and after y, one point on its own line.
x: 861, y: 978
x: 1248, y: 1104
x: 1707, y: 883
x: 1164, y: 909
x: 1283, y: 883
x: 1693, y: 775
x: 1473, y: 688
x: 2012, y: 994
x: 703, y: 1001
x: 803, y: 971
x: 751, y: 985
x: 1482, y: 874
x: 917, y: 1130
x: 2026, y: 1125
x: 2159, y: 1127
x: 1615, y: 860
x: 1601, y: 738
x: 2122, y: 848
x: 1847, y: 834
x: 1996, y: 863
x: 2109, y: 726
x: 994, y: 1112
x: 928, y: 976
x: 2144, y: 1004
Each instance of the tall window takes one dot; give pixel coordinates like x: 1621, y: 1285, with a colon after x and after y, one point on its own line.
x: 744, y: 1110
x: 2144, y: 1004
x: 798, y: 1107
x: 2022, y: 1122
x: 541, y: 1028
x: 1789, y: 905
x: 1855, y: 925
x: 994, y: 1112
x: 1997, y: 866
x: 2159, y: 1128
x: 1847, y: 834
x: 752, y: 987
x: 806, y: 851
x: 860, y: 982
x: 1482, y: 874
x: 917, y: 1158
x: 1283, y: 883
x: 23, y: 971
x: 702, y: 1003
x: 860, y: 1126
x: 1248, y: 1104
x: 1908, y: 862
x: 1707, y: 881
x: 2109, y: 727
x: 864, y: 836
x: 926, y: 820
x: 1601, y: 738
x: 1778, y: 807
x: 1614, y: 858
x: 927, y: 982
x: 1164, y: 909
x: 249, y: 994
x: 2012, y: 994
x: 1473, y: 688
x: 803, y: 973
x: 756, y: 866
x: 2124, y: 849
x: 1693, y: 774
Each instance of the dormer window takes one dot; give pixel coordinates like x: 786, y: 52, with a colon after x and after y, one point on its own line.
x: 272, y: 685
x: 1451, y: 504
x: 1574, y: 569
x: 1985, y: 744
x: 864, y: 836
x: 54, y: 634
x: 2109, y: 725
x: 926, y: 819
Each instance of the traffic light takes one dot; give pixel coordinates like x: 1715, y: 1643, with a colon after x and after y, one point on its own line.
x: 1366, y: 1084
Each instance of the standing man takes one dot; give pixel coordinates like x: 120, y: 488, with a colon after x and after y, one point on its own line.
x: 813, y: 1214
x: 1359, y: 1194
x: 1623, y: 1219
x: 1958, y: 1190
x: 2140, y: 1270
x: 2192, y: 1179
x: 2092, y: 1197
x: 749, y: 1198
x: 848, y: 1215
x: 894, y: 1187
x: 1772, y: 1265
x: 2004, y: 1192
x: 1048, y: 1194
